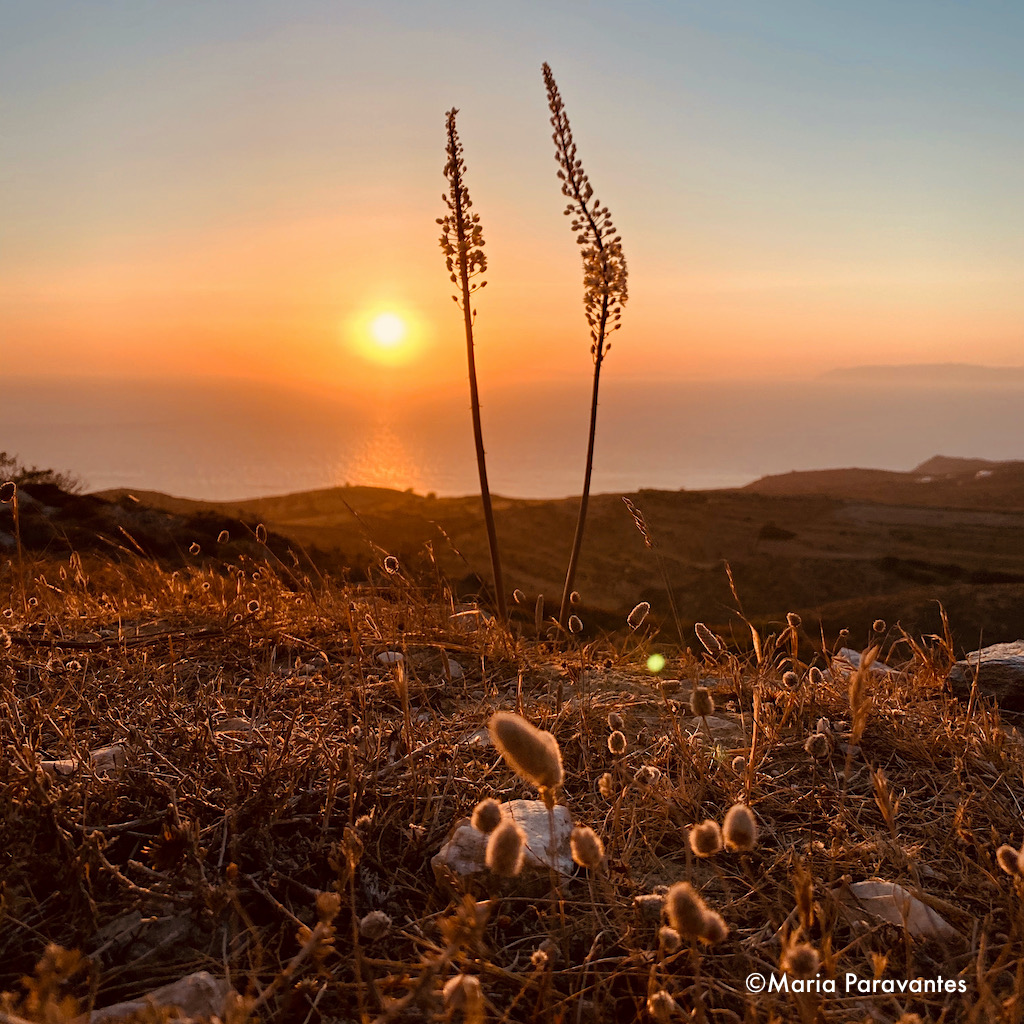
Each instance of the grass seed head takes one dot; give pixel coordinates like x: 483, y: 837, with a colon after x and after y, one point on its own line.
x: 800, y: 960
x: 714, y: 929
x: 487, y: 815
x: 532, y: 753
x: 708, y: 640
x: 636, y: 617
x: 587, y: 848
x: 686, y: 910
x: 375, y: 925
x: 740, y: 828
x: 702, y: 704
x: 617, y: 743
x: 661, y: 1006
x: 706, y: 839
x: 505, y: 849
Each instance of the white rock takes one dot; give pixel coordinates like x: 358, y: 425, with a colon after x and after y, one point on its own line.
x: 1000, y: 673
x: 464, y: 852
x: 104, y: 761
x: 455, y: 670
x: 391, y: 657
x: 878, y: 900
x: 848, y: 660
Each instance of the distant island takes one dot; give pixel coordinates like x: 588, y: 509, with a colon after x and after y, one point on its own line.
x: 928, y: 375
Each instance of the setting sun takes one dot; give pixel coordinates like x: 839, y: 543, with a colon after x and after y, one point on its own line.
x: 388, y: 330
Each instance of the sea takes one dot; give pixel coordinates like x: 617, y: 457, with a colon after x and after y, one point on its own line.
x: 226, y: 440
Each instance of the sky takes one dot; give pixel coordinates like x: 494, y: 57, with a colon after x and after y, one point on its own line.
x: 238, y: 188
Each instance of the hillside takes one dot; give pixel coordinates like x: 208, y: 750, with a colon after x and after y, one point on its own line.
x: 836, y: 557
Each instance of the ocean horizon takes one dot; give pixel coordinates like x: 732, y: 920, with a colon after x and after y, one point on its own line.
x: 217, y: 440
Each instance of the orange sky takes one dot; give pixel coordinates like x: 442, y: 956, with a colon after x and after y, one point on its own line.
x: 197, y: 193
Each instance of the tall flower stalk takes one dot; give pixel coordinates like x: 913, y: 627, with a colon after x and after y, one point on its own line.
x: 462, y: 241
x: 604, y: 286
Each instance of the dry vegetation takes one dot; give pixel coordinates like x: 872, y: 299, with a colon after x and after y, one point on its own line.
x: 277, y: 792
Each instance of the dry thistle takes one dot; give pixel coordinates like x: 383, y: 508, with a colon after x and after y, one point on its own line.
x: 604, y: 285
x: 708, y: 640
x: 462, y: 242
x: 615, y: 721
x: 587, y: 848
x: 530, y: 752
x: 487, y: 815
x: 706, y: 838
x: 686, y: 910
x: 505, y: 849
x: 739, y: 829
x: 375, y: 925
x: 636, y: 617
x: 800, y: 959
x: 702, y: 704
x: 617, y: 743
x: 661, y: 1006
x: 1007, y: 858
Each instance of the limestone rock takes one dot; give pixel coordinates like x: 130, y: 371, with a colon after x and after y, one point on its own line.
x: 462, y: 856
x: 1000, y: 672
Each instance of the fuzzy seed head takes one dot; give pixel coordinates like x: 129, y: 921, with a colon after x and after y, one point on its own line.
x: 606, y: 786
x: 706, y: 838
x: 794, y: 620
x: 739, y: 829
x: 791, y: 679
x: 617, y: 743
x: 615, y: 722
x: 739, y: 764
x: 8, y: 489
x: 505, y: 850
x: 261, y: 534
x: 702, y: 703
x: 375, y: 925
x: 1006, y: 858
x: 575, y: 624
x: 714, y: 929
x: 708, y: 640
x: 194, y: 548
x: 661, y: 1006
x: 539, y: 959
x: 669, y: 938
x: 818, y: 746
x: 686, y: 910
x: 636, y: 617
x: 463, y: 992
x: 518, y: 596
x: 878, y: 625
x: 649, y: 905
x: 648, y: 775
x: 800, y: 960
x: 487, y: 815
x: 391, y: 565
x: 253, y: 607
x: 530, y: 752
x: 587, y: 848
x: 223, y: 537
x: 574, y: 597
x: 814, y: 676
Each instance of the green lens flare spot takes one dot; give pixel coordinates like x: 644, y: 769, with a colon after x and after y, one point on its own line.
x: 655, y: 663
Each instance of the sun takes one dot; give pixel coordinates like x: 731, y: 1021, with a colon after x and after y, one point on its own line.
x: 388, y: 330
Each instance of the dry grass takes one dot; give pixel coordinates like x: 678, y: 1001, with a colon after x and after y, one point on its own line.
x: 271, y: 757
